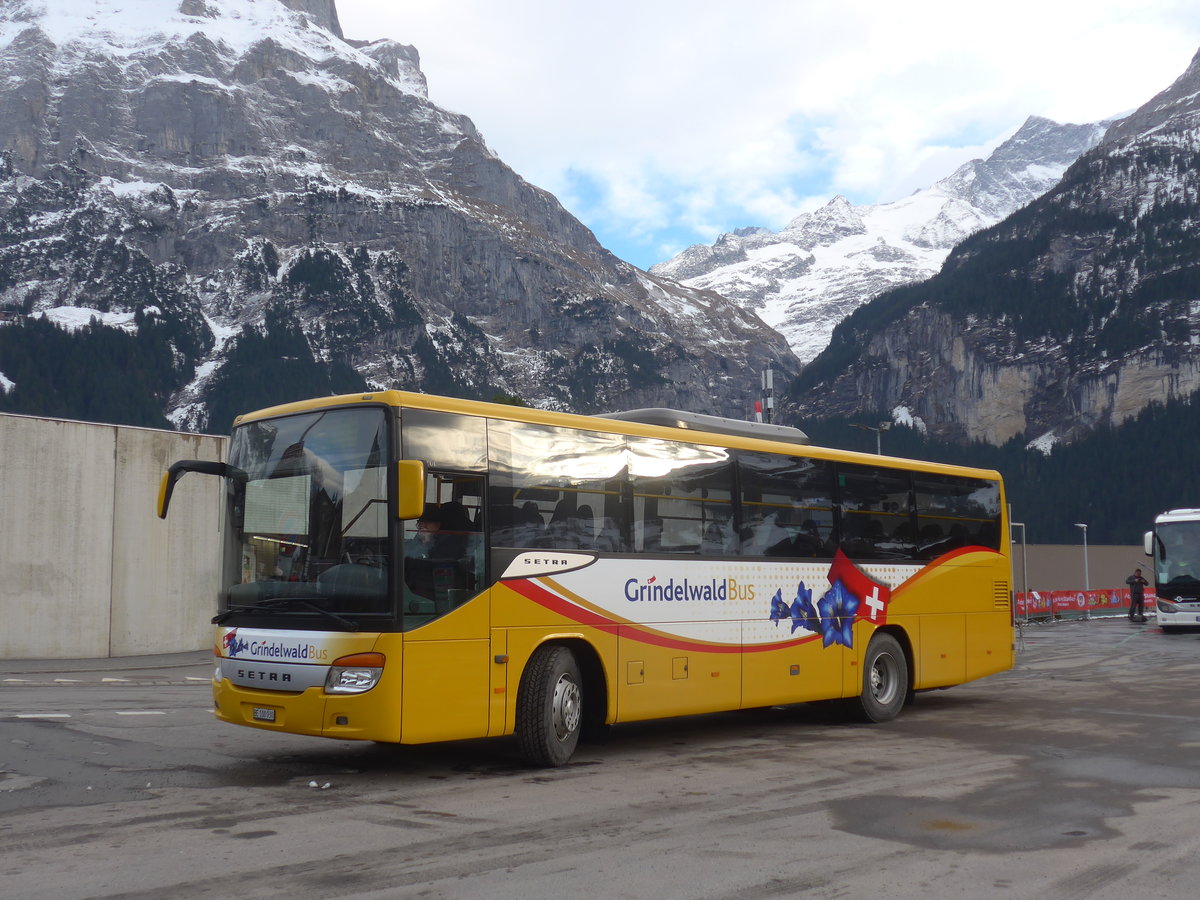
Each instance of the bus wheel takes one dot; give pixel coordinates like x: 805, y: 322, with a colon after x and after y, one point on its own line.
x: 549, y: 707
x: 885, y: 680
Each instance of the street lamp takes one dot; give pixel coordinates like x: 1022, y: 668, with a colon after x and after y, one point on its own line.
x: 1086, y: 584
x: 883, y: 426
x: 1024, y: 563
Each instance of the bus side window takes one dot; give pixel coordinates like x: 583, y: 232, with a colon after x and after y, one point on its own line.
x: 786, y: 505
x: 877, y: 519
x: 679, y: 491
x: 955, y: 511
x: 547, y: 476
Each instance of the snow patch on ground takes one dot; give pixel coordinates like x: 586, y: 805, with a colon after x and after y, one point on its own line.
x: 76, y: 318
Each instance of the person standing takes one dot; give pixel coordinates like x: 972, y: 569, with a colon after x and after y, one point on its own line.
x: 1137, y: 596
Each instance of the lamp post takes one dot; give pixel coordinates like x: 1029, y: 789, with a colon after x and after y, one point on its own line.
x: 1086, y: 583
x: 883, y: 426
x: 1024, y: 565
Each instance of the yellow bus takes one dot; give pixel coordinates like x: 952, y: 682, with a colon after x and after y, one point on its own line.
x: 409, y: 568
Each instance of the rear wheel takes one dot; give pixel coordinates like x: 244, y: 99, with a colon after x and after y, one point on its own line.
x: 885, y: 680
x: 549, y: 707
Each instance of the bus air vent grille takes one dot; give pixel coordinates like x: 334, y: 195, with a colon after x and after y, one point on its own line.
x: 1000, y: 595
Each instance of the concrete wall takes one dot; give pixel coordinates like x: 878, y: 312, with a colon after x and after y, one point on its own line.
x: 87, y: 569
x: 1059, y: 567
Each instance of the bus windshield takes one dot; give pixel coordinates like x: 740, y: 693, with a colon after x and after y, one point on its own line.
x: 308, y: 526
x: 1177, y: 554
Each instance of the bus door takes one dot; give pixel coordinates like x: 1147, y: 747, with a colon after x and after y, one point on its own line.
x: 447, y: 645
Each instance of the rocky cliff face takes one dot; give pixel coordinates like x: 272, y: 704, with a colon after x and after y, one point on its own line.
x: 1074, y: 313
x: 809, y: 276
x: 181, y: 170
x: 957, y: 379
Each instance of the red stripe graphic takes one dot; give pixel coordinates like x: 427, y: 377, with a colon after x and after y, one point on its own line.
x: 532, y: 591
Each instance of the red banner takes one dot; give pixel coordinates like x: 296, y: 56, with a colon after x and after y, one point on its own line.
x: 1045, y: 603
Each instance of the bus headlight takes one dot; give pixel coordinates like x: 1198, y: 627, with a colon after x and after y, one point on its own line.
x: 1165, y: 607
x: 354, y: 674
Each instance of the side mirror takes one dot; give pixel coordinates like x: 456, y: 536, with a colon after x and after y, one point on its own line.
x: 410, y: 489
x: 203, y: 466
x: 1148, y: 543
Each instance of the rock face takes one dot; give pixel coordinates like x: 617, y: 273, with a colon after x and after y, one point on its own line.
x: 809, y: 276
x: 956, y: 377
x: 1074, y: 313
x: 198, y: 174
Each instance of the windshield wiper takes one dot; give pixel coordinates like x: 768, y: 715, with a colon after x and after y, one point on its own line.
x: 284, y: 603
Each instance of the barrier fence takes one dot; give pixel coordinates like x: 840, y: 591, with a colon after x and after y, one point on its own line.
x: 1112, y: 601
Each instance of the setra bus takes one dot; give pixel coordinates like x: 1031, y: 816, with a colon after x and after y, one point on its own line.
x: 1174, y: 545
x: 409, y: 568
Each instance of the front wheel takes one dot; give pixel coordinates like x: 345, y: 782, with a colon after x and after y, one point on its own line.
x: 549, y: 707
x: 885, y: 680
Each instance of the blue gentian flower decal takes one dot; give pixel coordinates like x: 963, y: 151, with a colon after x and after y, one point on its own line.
x: 837, y: 609
x: 801, y: 610
x: 779, y: 609
x: 804, y: 614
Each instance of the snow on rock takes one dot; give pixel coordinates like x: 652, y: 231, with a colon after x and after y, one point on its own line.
x: 902, y: 415
x: 823, y: 265
x: 1044, y: 444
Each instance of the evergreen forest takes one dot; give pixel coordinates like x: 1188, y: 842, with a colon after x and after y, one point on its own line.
x: 1115, y: 480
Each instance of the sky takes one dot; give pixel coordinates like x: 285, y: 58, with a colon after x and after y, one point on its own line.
x: 665, y: 123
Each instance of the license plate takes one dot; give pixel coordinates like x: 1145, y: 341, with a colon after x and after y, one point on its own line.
x: 263, y: 714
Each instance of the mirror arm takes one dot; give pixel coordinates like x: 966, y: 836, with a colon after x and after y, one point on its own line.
x: 177, y: 470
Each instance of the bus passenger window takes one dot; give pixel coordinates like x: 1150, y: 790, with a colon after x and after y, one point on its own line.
x: 954, y: 511
x: 787, y: 505
x: 543, y: 478
x: 680, y: 491
x: 877, y: 521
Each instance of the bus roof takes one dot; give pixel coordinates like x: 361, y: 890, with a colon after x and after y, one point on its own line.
x: 689, y: 421
x: 1178, y: 515
x: 751, y: 438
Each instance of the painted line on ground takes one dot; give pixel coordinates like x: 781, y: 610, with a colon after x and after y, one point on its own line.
x: 41, y: 715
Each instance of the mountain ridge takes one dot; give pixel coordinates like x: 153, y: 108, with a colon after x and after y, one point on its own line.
x: 823, y: 265
x: 1073, y: 314
x: 229, y: 158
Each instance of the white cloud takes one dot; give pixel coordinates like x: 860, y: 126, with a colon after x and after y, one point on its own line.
x: 657, y: 119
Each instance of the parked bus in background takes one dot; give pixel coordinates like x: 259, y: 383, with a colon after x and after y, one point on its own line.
x: 1174, y: 545
x: 408, y: 568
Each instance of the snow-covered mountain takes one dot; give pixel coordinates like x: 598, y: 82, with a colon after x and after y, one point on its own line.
x: 822, y: 266
x: 1073, y: 314
x: 196, y: 184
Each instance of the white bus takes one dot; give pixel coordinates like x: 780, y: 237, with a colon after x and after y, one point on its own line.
x: 1174, y: 545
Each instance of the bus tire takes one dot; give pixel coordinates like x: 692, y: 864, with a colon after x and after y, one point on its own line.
x: 549, y: 707
x: 885, y: 680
